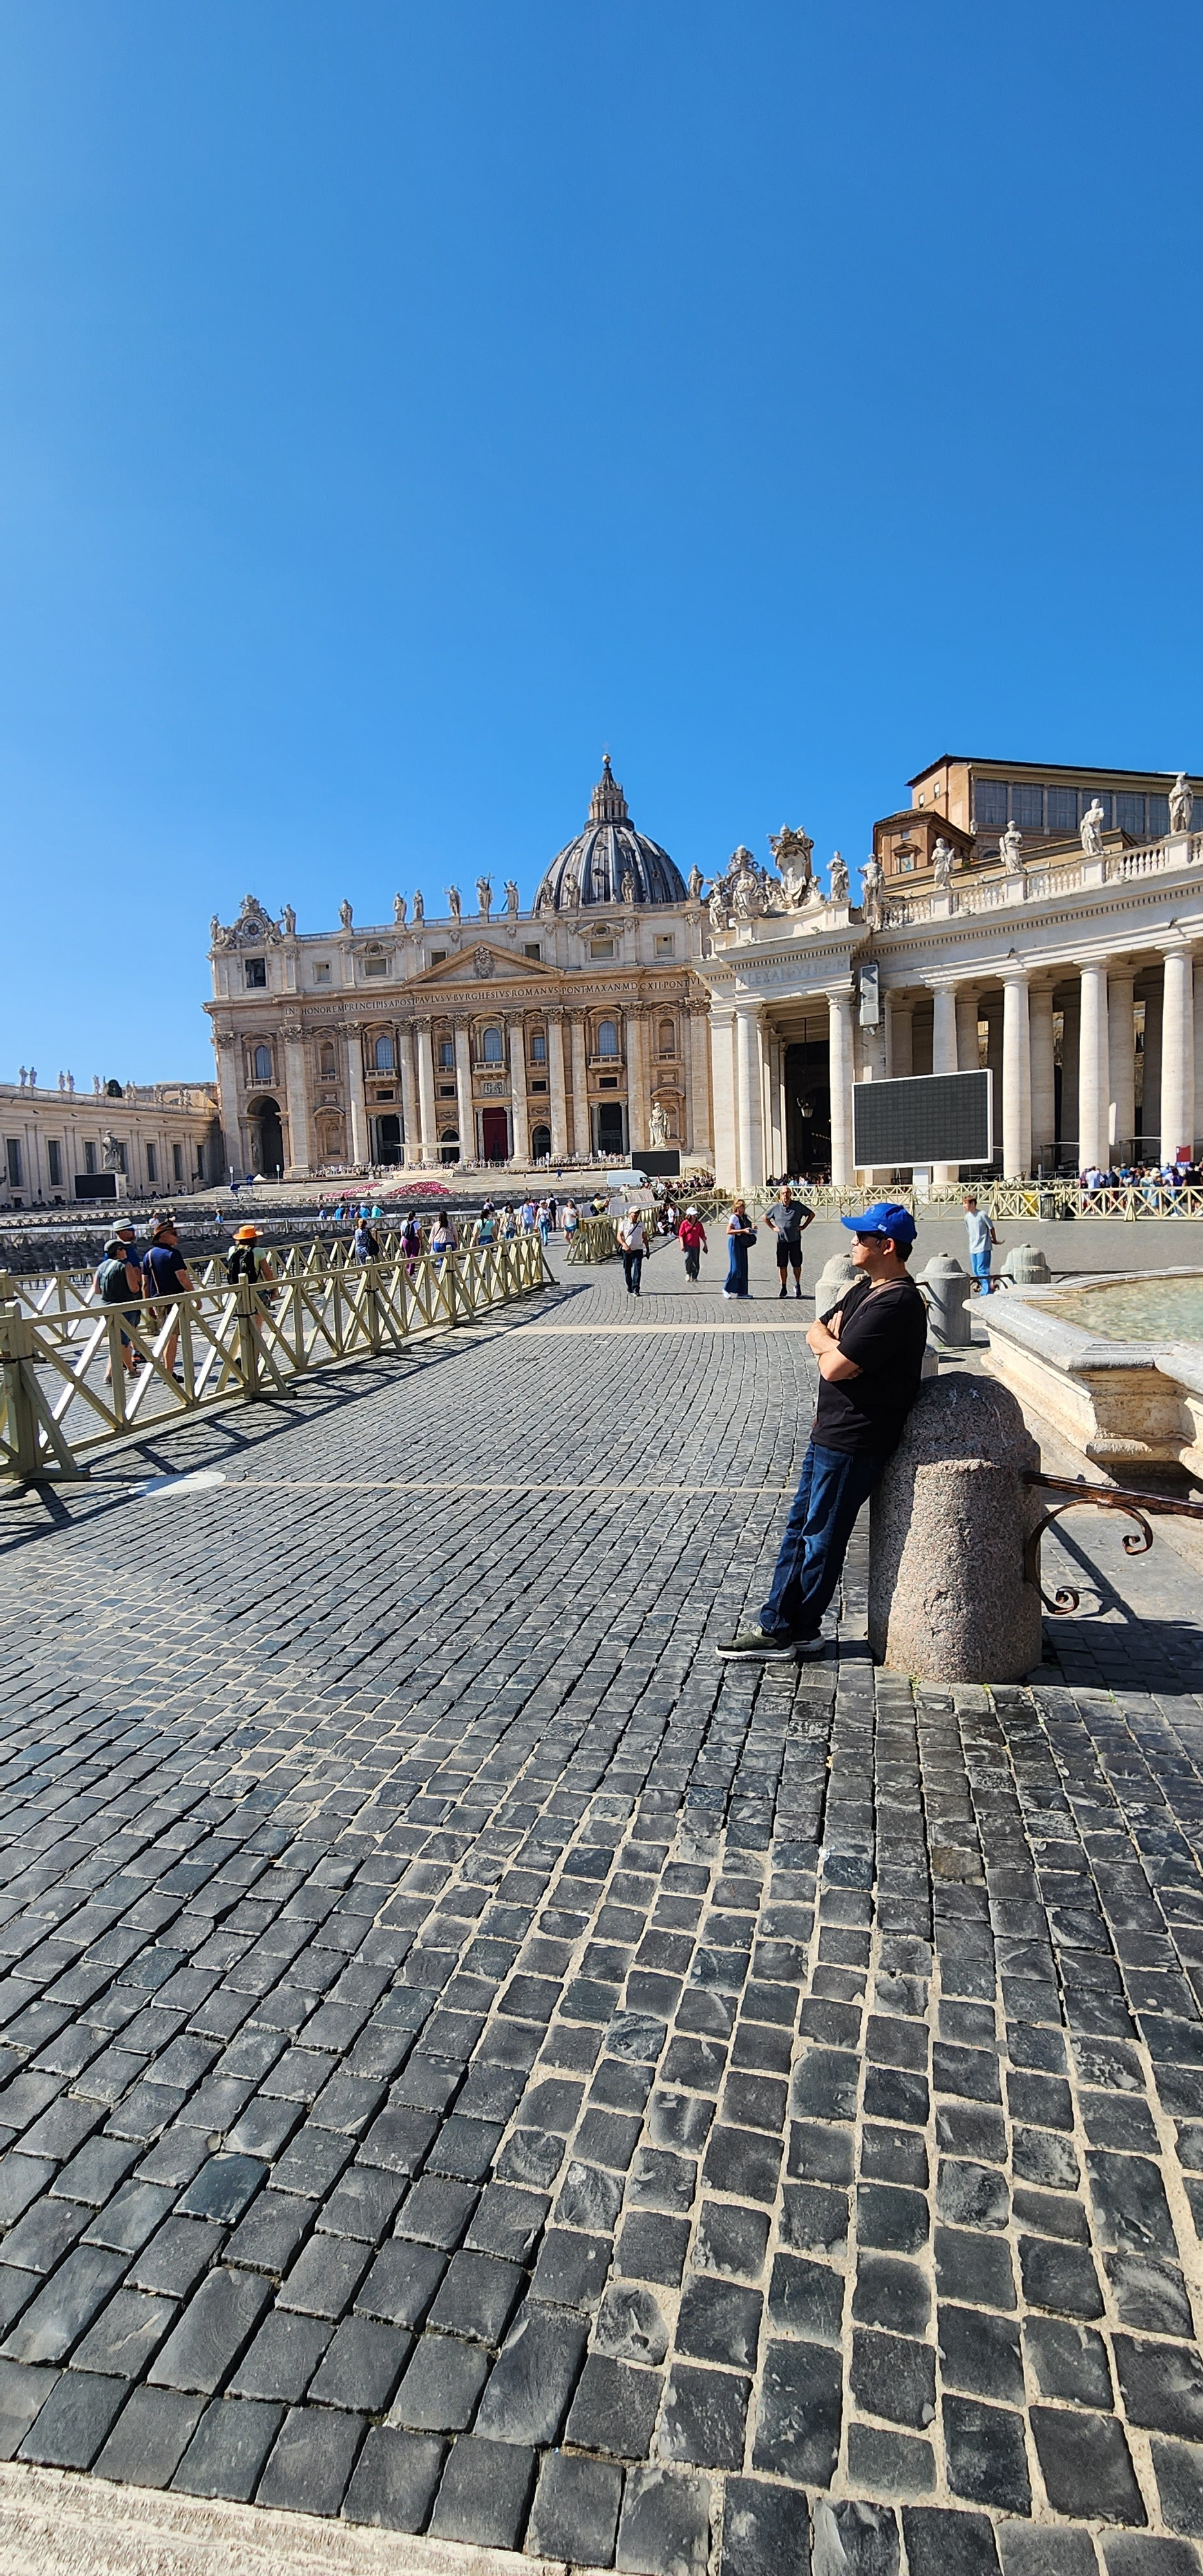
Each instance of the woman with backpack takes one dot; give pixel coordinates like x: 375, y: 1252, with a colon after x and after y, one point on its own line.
x: 118, y: 1282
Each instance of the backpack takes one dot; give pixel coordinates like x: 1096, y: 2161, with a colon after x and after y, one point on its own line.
x: 112, y: 1286
x: 240, y: 1264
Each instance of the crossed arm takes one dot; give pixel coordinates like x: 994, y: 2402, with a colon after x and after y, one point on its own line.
x: 824, y: 1341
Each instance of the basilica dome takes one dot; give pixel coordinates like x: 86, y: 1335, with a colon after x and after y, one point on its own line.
x: 591, y: 869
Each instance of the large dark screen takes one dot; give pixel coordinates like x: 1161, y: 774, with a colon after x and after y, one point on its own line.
x: 926, y: 1118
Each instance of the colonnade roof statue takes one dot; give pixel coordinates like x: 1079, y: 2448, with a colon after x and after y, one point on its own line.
x: 609, y: 862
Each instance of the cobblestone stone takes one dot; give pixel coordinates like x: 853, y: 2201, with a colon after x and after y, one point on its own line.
x: 471, y: 2062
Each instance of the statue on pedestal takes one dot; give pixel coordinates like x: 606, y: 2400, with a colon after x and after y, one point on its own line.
x: 419, y: 907
x: 792, y: 852
x: 399, y: 910
x: 628, y: 886
x: 1010, y: 849
x: 1091, y: 830
x: 840, y: 883
x: 288, y: 921
x: 657, y: 1127
x: 511, y: 899
x: 345, y: 914
x: 695, y: 885
x: 484, y: 896
x: 453, y: 905
x: 872, y: 879
x: 1182, y: 803
x: 717, y: 906
x: 943, y: 861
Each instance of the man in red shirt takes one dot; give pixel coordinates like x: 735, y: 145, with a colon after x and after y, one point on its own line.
x: 692, y: 1233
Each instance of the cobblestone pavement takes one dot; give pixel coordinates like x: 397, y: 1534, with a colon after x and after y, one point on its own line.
x: 475, y: 2064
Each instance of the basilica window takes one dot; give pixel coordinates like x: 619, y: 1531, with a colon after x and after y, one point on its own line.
x: 386, y: 1057
x: 492, y: 1051
x: 375, y: 962
x: 256, y: 974
x: 321, y: 970
x: 54, y: 1156
x: 665, y: 944
x: 325, y: 1060
x: 601, y: 948
x: 607, y: 1037
x: 667, y: 1041
x: 990, y: 804
x: 263, y: 1064
x: 538, y: 1046
x: 1027, y: 806
x: 1061, y: 805
x: 446, y: 1055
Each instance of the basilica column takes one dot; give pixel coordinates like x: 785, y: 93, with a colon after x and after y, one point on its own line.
x: 227, y: 1093
x: 1044, y: 1088
x: 428, y: 1131
x: 410, y: 1121
x: 637, y: 1100
x: 555, y: 1078
x: 1121, y: 1055
x: 355, y: 1093
x: 1016, y: 1083
x: 750, y: 1095
x: 722, y: 1068
x: 1094, y: 1145
x: 1178, y: 1055
x: 463, y: 1092
x: 697, y: 1021
x: 519, y: 1118
x: 944, y: 1058
x: 578, y: 1059
x: 839, y: 1041
x: 300, y: 1156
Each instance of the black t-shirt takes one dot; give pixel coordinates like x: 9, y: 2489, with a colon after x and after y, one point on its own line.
x: 884, y: 1330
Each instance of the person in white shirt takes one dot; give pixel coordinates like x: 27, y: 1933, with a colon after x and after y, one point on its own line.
x: 632, y: 1242
x: 981, y: 1237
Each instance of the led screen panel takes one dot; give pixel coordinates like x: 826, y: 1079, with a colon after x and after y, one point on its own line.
x: 925, y: 1118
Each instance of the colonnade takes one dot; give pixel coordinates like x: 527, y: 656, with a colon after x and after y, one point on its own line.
x: 1095, y: 1000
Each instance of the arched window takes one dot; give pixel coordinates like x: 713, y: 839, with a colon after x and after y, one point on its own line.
x: 446, y: 1055
x: 668, y: 1038
x: 538, y: 1046
x: 607, y: 1037
x: 385, y: 1056
x: 263, y: 1064
x: 491, y: 1050
x: 325, y: 1061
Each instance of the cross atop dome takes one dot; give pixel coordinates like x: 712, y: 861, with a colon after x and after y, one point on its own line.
x: 607, y: 803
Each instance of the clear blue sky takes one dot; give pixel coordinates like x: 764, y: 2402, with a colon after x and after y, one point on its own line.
x: 399, y: 403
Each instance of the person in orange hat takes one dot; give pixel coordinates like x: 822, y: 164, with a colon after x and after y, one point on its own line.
x: 242, y: 1261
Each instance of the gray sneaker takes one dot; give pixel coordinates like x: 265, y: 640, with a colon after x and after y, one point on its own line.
x: 755, y: 1646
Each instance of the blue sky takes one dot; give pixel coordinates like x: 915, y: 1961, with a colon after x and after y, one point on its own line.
x: 398, y: 404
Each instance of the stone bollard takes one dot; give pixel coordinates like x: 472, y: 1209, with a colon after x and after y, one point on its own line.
x: 950, y: 1518
x: 1025, y: 1266
x: 947, y: 1288
x: 837, y: 1274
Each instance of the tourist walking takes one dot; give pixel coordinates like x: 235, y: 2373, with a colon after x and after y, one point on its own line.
x: 364, y: 1245
x: 165, y: 1272
x: 442, y: 1239
x: 572, y: 1218
x: 981, y: 1237
x: 789, y: 1221
x: 411, y: 1241
x: 632, y: 1242
x: 741, y: 1235
x: 691, y: 1233
x: 242, y: 1260
x: 118, y: 1283
x: 869, y: 1350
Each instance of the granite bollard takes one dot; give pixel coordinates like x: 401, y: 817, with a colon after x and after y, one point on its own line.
x: 949, y: 1520
x: 835, y: 1275
x: 947, y: 1286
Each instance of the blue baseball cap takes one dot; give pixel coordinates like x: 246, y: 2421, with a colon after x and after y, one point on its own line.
x: 887, y: 1217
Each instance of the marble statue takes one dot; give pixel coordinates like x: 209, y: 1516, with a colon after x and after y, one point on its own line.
x: 214, y: 930
x: 70, y: 1082
x: 484, y: 896
x: 511, y: 898
x: 1010, y: 850
x: 1092, y: 830
x: 872, y: 879
x: 840, y: 885
x: 657, y: 1127
x: 110, y: 1147
x: 62, y: 1082
x: 399, y: 910
x: 288, y: 921
x: 33, y: 1079
x: 419, y: 906
x: 23, y: 1072
x: 95, y: 1083
x: 792, y: 851
x: 1182, y: 803
x: 453, y: 905
x: 345, y: 914
x: 628, y: 886
x: 943, y: 861
x: 717, y: 906
x: 695, y: 885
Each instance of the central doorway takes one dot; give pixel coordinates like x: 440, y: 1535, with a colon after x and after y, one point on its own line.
x: 495, y: 1135
x: 610, y: 1139
x: 388, y: 1139
x: 808, y: 1108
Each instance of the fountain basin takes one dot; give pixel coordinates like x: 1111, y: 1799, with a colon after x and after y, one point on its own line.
x: 1115, y: 1361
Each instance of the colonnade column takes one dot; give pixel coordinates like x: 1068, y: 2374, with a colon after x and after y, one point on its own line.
x: 558, y: 1105
x: 700, y: 1140
x: 722, y: 1066
x: 227, y: 1094
x: 411, y: 1125
x: 839, y: 1040
x: 463, y: 1092
x: 968, y: 1051
x: 355, y: 1095
x: 901, y: 1057
x: 1178, y: 1055
x: 637, y: 1100
x: 428, y: 1130
x: 944, y: 1058
x: 299, y: 1155
x: 1016, y: 1083
x: 750, y: 1095
x: 1044, y: 1083
x: 1094, y: 1146
x: 519, y: 1118
x: 775, y: 1084
x: 1121, y: 1057
x: 581, y: 1139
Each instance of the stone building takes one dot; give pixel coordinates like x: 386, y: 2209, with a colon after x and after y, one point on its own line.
x: 1043, y: 921
x: 58, y: 1145
x: 487, y: 1035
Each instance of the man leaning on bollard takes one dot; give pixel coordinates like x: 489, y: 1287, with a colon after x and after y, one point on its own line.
x: 870, y: 1354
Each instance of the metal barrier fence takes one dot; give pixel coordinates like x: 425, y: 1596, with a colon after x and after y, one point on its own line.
x: 67, y: 1390
x: 596, y: 1239
x: 1007, y: 1199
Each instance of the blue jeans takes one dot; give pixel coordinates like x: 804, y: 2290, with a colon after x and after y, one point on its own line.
x: 979, y: 1263
x: 632, y: 1263
x: 834, y: 1484
x: 736, y: 1281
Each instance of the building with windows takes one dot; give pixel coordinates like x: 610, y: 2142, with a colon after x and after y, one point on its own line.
x: 1054, y: 938
x: 489, y: 1037
x: 120, y: 1140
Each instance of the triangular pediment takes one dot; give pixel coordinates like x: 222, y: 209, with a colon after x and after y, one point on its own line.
x: 483, y: 961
